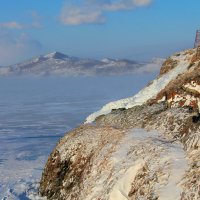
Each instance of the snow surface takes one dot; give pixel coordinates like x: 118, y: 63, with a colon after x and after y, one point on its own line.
x: 171, y: 159
x: 137, y: 160
x: 123, y: 186
x: 178, y: 166
x: 148, y: 92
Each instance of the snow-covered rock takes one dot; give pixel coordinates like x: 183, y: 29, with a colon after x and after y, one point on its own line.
x: 181, y: 61
x: 115, y: 160
x: 93, y: 163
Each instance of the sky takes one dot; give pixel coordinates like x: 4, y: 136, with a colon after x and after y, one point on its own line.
x: 132, y: 29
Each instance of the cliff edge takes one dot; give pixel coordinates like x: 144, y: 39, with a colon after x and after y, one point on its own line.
x: 142, y: 147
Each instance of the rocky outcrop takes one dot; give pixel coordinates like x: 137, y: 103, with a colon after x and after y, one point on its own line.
x: 78, y: 157
x: 168, y: 65
x: 185, y: 89
x: 95, y: 161
x: 160, y: 89
x: 149, y: 151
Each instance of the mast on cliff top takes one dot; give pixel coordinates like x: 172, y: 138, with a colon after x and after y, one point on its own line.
x: 197, y: 39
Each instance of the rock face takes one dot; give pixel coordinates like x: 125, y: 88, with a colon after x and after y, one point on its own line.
x: 149, y: 151
x: 185, y: 89
x: 76, y: 159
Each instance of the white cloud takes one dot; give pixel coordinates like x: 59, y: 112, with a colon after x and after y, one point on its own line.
x: 35, y: 22
x: 15, y: 47
x: 141, y: 2
x: 74, y: 15
x: 153, y: 66
x: 92, y: 11
x: 17, y: 25
x: 125, y: 4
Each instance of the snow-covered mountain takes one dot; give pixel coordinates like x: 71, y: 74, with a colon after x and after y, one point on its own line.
x: 60, y: 64
x: 143, y: 147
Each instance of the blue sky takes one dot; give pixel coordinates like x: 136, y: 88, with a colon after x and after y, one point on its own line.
x: 133, y: 29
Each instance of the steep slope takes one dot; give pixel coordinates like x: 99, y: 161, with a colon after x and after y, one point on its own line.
x: 178, y: 64
x: 122, y: 165
x: 143, y: 147
x: 59, y: 64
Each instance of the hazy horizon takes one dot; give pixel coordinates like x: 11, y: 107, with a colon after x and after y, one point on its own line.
x: 131, y: 29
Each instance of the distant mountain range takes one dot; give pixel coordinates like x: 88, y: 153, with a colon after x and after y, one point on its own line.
x: 57, y: 63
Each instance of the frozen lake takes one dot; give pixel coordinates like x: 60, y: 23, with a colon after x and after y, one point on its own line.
x: 36, y: 112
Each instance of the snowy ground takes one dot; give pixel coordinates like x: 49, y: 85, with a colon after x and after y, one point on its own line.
x: 165, y: 160
x: 124, y: 165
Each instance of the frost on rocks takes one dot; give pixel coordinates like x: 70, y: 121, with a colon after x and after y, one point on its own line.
x: 183, y: 61
x: 135, y: 164
x: 163, y: 154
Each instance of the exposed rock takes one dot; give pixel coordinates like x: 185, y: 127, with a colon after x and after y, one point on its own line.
x: 183, y: 91
x: 94, y: 162
x: 79, y: 156
x: 98, y: 146
x: 163, y: 87
x: 168, y: 65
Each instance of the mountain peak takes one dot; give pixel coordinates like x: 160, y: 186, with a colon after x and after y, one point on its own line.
x: 56, y: 55
x: 56, y: 63
x: 107, y: 60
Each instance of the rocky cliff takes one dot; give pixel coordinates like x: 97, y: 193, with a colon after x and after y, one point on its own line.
x: 143, y: 147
